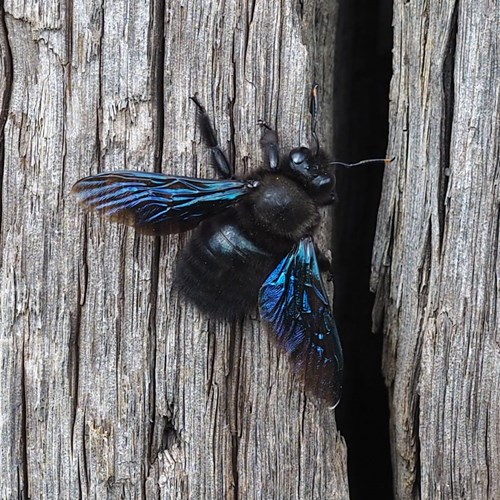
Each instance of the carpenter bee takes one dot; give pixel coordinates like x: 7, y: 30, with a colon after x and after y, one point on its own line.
x: 252, y: 242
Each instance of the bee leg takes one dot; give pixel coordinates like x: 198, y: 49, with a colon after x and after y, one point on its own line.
x: 313, y: 109
x: 269, y: 144
x: 222, y: 164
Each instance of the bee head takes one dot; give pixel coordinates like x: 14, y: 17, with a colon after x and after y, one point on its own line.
x: 313, y: 173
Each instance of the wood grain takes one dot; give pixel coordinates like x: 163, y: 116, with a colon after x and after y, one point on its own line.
x: 111, y: 386
x: 435, y: 261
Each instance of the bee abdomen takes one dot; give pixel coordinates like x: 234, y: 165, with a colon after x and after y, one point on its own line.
x: 221, y: 270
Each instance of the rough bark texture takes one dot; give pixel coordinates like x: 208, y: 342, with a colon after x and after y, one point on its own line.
x: 111, y: 387
x: 436, y: 255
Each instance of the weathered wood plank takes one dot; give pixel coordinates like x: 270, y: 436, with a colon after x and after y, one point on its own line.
x: 113, y: 386
x: 435, y: 260
x: 251, y: 444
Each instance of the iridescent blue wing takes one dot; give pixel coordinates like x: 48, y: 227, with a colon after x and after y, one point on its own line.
x: 293, y: 299
x: 157, y: 203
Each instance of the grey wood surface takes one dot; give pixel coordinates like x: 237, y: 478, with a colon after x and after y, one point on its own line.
x: 112, y: 387
x: 435, y: 264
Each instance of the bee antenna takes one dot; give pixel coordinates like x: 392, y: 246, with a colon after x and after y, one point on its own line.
x: 362, y: 162
x: 313, y: 110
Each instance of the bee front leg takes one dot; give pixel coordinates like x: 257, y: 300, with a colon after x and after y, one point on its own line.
x: 222, y: 164
x: 313, y: 109
x: 269, y: 144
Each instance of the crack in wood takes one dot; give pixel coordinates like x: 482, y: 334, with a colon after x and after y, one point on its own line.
x: 447, y: 121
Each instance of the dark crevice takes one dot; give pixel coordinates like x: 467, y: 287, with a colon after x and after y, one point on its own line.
x: 170, y: 437
x: 299, y: 9
x: 363, y: 67
x: 23, y: 487
x: 155, y: 273
x: 235, y: 450
x: 85, y: 467
x: 74, y: 356
x: 157, y: 44
x: 231, y: 104
x: 416, y: 491
x: 211, y: 347
x: 6, y: 55
x: 75, y: 338
x: 67, y: 67
x: 235, y: 348
x: 250, y: 17
x: 99, y: 110
x: 446, y: 126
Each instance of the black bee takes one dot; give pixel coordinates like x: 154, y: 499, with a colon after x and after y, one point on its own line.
x: 252, y: 242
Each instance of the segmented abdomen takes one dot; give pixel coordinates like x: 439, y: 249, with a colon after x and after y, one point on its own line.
x: 221, y: 270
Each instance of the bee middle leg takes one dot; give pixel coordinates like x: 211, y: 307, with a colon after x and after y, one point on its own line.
x: 222, y: 164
